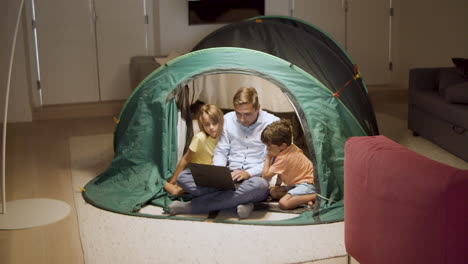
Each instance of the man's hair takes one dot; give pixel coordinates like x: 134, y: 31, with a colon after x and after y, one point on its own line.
x: 246, y: 95
x: 277, y: 133
x: 214, y: 113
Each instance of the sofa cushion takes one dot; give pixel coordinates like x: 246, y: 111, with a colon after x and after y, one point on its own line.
x: 431, y: 102
x: 462, y: 66
x: 457, y: 93
x: 453, y: 86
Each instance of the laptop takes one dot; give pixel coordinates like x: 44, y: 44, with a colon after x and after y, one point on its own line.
x: 212, y: 176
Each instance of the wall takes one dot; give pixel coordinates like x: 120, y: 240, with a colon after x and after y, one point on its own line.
x: 368, y: 43
x: 20, y: 106
x: 173, y: 33
x: 428, y: 33
x: 19, y: 103
x: 425, y: 34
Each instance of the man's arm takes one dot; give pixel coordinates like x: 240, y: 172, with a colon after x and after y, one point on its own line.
x: 221, y: 151
x: 256, y: 171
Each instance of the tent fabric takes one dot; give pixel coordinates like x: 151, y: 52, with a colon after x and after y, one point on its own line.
x: 145, y: 139
x: 306, y: 47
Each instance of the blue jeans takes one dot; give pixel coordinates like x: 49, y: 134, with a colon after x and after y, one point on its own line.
x: 301, y: 189
x: 206, y: 199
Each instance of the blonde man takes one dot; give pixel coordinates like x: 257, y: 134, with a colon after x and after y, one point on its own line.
x: 241, y: 149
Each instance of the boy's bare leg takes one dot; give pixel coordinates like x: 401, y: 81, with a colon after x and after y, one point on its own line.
x: 277, y: 192
x: 291, y: 202
x: 173, y: 189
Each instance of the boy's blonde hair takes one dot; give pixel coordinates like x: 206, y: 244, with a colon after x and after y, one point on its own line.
x: 246, y: 95
x: 214, y: 114
x: 277, y: 133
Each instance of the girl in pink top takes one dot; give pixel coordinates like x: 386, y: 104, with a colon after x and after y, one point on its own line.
x: 290, y: 164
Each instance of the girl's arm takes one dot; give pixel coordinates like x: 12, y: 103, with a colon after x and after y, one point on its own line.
x: 266, y: 173
x: 183, y: 162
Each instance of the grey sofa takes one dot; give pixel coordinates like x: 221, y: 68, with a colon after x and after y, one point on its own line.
x: 438, y: 108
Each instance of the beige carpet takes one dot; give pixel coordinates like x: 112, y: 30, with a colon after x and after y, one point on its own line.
x: 108, y: 237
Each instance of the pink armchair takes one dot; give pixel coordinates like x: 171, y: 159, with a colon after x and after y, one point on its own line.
x: 401, y: 207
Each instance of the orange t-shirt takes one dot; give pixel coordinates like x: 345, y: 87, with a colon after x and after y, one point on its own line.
x: 293, y: 166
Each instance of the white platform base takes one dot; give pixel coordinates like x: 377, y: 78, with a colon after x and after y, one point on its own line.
x: 28, y: 213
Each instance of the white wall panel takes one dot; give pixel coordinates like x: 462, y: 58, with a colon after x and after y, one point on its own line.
x: 368, y: 39
x: 121, y: 34
x: 327, y: 15
x: 66, y: 51
x: 19, y: 107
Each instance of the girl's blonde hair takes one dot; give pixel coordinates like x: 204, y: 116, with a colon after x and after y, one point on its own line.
x: 214, y: 114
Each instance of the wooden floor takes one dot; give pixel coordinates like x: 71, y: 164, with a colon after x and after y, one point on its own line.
x: 38, y: 166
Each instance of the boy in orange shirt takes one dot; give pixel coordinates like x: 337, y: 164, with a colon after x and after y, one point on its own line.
x: 291, y: 165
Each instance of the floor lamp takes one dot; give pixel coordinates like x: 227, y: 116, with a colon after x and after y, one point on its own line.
x: 25, y: 213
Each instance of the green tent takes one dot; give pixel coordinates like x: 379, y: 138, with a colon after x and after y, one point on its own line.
x: 145, y: 139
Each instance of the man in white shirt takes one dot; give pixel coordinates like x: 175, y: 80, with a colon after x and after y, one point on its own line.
x: 240, y: 148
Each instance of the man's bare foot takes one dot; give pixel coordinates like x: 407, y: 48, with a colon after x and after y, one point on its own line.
x: 173, y: 189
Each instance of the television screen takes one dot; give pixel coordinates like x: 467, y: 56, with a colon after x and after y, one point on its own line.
x: 223, y: 11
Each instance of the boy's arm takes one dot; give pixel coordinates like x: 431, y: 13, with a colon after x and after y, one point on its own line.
x: 266, y: 173
x: 278, y: 181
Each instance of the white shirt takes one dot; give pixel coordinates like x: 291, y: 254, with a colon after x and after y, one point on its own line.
x: 240, y: 147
